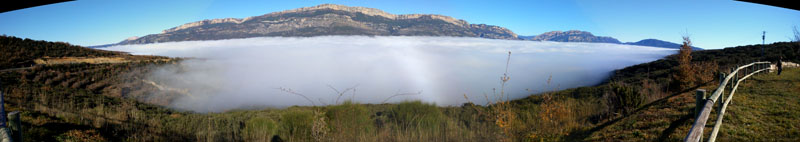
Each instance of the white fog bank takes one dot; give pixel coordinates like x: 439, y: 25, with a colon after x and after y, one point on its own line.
x: 237, y: 73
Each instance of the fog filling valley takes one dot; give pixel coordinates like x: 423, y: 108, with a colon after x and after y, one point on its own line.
x: 237, y: 73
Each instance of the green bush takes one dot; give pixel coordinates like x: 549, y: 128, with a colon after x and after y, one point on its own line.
x: 624, y: 98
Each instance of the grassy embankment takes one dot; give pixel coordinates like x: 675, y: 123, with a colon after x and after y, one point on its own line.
x: 764, y: 108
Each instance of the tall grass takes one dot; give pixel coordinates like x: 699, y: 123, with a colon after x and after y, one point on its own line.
x: 417, y: 115
x: 260, y: 129
x: 351, y: 121
x: 297, y: 124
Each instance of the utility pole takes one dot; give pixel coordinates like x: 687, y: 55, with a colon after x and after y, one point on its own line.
x: 2, y: 108
x: 763, y: 39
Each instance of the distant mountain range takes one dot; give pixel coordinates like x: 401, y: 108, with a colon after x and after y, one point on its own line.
x: 572, y: 36
x: 659, y: 43
x: 326, y: 19
x: 583, y: 36
x: 331, y: 19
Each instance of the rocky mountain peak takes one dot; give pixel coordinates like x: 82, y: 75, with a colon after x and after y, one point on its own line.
x: 205, y: 22
x: 132, y: 38
x: 373, y: 12
x: 362, y: 10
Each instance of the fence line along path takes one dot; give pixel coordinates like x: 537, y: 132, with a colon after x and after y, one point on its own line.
x: 705, y: 105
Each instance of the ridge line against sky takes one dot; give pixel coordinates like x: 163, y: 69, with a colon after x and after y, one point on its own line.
x: 711, y: 24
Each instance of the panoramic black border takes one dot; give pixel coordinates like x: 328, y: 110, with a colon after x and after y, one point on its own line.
x: 22, y: 4
x: 777, y: 3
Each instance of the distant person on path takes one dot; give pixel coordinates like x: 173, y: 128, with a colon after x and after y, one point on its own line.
x: 780, y: 65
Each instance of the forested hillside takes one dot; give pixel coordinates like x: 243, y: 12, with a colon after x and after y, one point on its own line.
x: 17, y: 52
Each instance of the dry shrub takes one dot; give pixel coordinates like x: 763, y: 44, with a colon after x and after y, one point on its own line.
x: 504, y: 117
x: 500, y: 109
x: 81, y: 136
x: 652, y: 90
x: 705, y: 71
x: 556, y: 118
x: 319, y: 130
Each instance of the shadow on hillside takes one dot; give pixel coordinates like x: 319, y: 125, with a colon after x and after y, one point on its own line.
x: 117, y: 130
x: 581, y: 135
x: 673, y: 126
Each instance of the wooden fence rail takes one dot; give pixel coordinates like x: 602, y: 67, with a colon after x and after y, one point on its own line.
x: 695, y: 134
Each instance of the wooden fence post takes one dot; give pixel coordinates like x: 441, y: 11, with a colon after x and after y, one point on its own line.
x: 744, y: 73
x: 15, y: 126
x: 721, y: 81
x: 735, y: 75
x: 720, y: 99
x: 700, y: 100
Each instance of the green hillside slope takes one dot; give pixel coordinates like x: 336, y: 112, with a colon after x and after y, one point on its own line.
x: 764, y: 108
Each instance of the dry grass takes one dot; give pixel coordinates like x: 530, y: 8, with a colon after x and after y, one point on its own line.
x: 556, y: 118
x: 652, y: 90
x: 81, y: 136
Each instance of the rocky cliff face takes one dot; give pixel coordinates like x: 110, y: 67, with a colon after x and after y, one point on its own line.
x: 573, y: 36
x: 326, y: 19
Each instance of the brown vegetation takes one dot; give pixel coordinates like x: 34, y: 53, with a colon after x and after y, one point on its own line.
x: 684, y: 76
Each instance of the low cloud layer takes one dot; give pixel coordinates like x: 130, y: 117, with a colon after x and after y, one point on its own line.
x: 237, y: 73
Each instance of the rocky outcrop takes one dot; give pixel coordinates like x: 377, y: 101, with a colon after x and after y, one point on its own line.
x: 200, y: 23
x: 327, y: 19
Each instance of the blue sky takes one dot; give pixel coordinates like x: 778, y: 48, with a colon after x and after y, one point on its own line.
x: 711, y: 24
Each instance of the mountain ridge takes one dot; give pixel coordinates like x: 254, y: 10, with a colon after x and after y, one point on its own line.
x: 332, y: 19
x: 584, y: 36
x: 326, y: 19
x: 573, y: 36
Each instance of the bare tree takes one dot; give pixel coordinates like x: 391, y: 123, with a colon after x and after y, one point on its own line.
x: 400, y: 94
x: 341, y: 93
x: 290, y: 91
x: 796, y: 37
